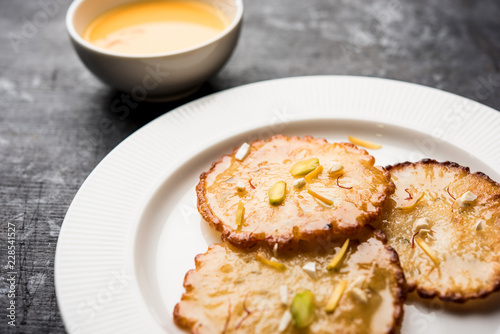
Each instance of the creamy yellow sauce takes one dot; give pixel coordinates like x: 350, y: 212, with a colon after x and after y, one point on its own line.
x: 156, y: 26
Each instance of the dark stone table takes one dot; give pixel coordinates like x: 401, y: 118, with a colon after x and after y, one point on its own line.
x: 56, y: 122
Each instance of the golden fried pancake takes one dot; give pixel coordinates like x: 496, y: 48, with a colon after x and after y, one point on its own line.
x: 447, y: 239
x: 287, y: 188
x: 258, y: 291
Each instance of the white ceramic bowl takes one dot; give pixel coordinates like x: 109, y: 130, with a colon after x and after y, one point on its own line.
x: 163, y: 76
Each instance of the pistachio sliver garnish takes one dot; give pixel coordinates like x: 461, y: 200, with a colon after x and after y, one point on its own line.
x: 413, y: 203
x: 240, y: 212
x: 335, y: 297
x: 304, y: 167
x: 427, y: 250
x: 322, y: 198
x: 302, y: 309
x: 364, y: 143
x: 277, y: 193
x: 314, y: 174
x: 262, y: 259
x: 338, y: 257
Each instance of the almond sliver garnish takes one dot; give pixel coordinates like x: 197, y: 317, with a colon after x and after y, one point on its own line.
x: 364, y: 143
x: 304, y: 167
x: 277, y: 193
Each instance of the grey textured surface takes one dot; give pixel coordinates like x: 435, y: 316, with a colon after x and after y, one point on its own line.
x: 56, y: 121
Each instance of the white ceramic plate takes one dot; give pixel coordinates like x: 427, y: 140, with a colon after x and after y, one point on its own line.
x: 133, y: 230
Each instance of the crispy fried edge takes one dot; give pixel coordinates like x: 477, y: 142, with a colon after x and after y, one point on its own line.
x: 183, y: 322
x: 455, y: 297
x: 400, y: 292
x: 246, y: 239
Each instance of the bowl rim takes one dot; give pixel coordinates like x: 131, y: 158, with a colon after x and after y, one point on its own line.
x: 75, y: 36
